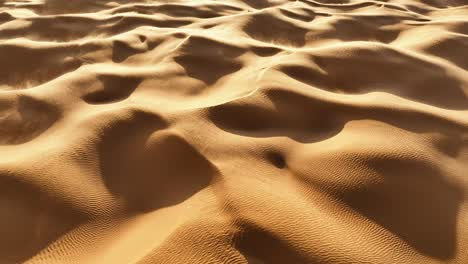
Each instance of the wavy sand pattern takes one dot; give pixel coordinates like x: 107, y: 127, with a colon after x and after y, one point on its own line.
x: 235, y: 131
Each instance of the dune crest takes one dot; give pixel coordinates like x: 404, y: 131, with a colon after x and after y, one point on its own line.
x: 234, y: 131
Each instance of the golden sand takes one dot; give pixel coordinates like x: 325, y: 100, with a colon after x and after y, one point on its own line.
x: 234, y: 131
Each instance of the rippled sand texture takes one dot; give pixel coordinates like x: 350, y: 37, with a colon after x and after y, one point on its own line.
x: 236, y: 131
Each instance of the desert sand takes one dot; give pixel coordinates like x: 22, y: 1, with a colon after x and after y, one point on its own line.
x: 234, y: 131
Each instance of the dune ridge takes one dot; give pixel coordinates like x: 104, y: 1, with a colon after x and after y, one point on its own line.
x: 234, y: 131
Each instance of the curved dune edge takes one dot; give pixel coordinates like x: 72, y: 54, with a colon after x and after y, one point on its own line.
x: 235, y: 131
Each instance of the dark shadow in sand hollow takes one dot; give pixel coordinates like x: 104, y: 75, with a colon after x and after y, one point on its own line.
x: 114, y: 88
x: 414, y: 203
x: 30, y: 220
x: 25, y: 119
x: 149, y: 175
x: 260, y: 246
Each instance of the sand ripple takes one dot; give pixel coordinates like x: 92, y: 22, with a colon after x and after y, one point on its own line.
x: 235, y: 131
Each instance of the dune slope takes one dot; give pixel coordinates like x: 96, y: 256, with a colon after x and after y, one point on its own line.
x: 235, y: 131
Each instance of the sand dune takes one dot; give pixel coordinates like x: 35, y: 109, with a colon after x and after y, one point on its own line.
x: 234, y: 131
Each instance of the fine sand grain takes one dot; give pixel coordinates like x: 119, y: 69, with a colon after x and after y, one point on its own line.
x: 234, y: 131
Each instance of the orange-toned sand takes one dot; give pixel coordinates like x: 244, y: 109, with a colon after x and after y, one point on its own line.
x: 234, y: 131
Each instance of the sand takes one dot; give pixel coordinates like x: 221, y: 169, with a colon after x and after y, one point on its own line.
x: 234, y: 131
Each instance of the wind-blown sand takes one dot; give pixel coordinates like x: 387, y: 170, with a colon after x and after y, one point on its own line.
x: 235, y: 131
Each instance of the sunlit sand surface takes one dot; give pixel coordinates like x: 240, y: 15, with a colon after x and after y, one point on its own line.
x: 235, y: 131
